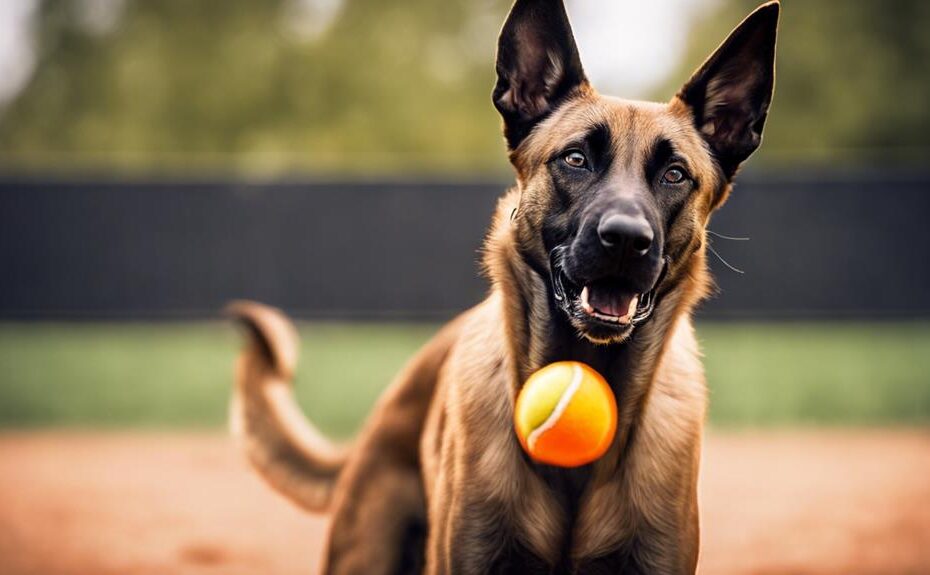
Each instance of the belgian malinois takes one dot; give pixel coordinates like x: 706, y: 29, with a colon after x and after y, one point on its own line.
x: 597, y: 254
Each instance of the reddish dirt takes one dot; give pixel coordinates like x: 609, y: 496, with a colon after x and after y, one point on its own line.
x: 799, y: 503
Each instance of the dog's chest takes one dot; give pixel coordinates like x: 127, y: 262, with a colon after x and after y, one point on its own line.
x: 567, y: 486
x: 585, y: 521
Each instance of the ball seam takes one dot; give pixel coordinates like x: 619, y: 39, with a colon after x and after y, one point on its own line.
x: 560, y: 407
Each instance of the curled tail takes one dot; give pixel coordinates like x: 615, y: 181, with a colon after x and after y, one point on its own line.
x: 281, y: 443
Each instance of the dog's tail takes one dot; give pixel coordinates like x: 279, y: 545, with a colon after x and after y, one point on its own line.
x: 281, y: 443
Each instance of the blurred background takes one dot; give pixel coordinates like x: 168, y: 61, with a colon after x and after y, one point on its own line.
x: 341, y: 158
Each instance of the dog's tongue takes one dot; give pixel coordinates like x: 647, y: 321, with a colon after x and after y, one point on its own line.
x: 611, y: 302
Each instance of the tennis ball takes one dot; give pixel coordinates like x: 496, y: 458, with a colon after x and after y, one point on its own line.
x: 565, y: 415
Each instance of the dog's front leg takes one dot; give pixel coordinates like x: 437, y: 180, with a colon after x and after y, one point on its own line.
x: 474, y: 532
x: 468, y: 528
x: 380, y: 524
x: 475, y: 540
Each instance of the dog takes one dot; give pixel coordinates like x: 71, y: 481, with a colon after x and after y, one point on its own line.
x: 597, y: 254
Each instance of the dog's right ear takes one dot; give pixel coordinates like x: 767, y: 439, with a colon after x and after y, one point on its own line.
x: 731, y: 93
x: 537, y: 66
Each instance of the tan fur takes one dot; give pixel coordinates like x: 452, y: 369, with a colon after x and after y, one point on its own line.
x: 438, y: 459
x: 292, y: 455
x: 644, y: 487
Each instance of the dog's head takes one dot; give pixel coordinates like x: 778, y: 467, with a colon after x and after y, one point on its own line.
x: 615, y: 193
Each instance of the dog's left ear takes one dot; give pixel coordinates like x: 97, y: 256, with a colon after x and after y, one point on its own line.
x: 537, y: 65
x: 730, y: 94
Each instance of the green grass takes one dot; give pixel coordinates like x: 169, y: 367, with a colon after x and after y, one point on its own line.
x: 817, y: 373
x: 179, y: 375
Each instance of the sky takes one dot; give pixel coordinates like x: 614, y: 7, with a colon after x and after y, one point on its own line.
x: 17, y: 57
x: 628, y: 47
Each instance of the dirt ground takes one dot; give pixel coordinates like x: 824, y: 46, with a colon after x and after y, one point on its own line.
x: 772, y: 503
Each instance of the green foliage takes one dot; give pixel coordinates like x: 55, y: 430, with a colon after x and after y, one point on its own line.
x: 171, y: 375
x: 852, y: 81
x: 197, y: 84
x: 404, y: 86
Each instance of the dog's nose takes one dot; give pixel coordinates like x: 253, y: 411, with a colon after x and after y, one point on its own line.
x: 625, y: 234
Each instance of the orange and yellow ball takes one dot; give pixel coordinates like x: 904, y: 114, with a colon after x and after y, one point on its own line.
x: 566, y: 415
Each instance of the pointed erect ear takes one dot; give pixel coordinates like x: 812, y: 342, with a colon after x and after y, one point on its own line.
x: 730, y: 94
x: 537, y: 65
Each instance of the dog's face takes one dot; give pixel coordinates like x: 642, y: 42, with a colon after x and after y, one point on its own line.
x: 615, y: 192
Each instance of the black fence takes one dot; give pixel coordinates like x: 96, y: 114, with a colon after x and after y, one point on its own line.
x: 824, y: 245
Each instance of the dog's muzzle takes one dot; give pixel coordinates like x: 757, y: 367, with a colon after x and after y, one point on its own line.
x: 574, y: 300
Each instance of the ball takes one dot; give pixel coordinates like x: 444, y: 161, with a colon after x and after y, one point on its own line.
x: 565, y: 415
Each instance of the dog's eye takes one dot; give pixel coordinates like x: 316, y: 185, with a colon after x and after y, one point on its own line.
x: 575, y: 159
x: 674, y: 176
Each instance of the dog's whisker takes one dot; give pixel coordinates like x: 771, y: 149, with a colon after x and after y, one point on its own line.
x: 725, y: 262
x: 723, y: 237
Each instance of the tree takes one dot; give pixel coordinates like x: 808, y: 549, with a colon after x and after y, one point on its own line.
x: 852, y: 80
x: 405, y: 86
x: 219, y: 83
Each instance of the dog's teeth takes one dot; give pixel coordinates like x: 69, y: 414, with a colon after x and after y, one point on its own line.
x: 632, y: 308
x: 585, y: 305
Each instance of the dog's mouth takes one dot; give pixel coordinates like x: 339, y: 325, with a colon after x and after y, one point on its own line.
x: 605, y: 301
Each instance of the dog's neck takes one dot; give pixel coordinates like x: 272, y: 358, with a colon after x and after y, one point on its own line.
x: 538, y: 332
x: 629, y: 367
